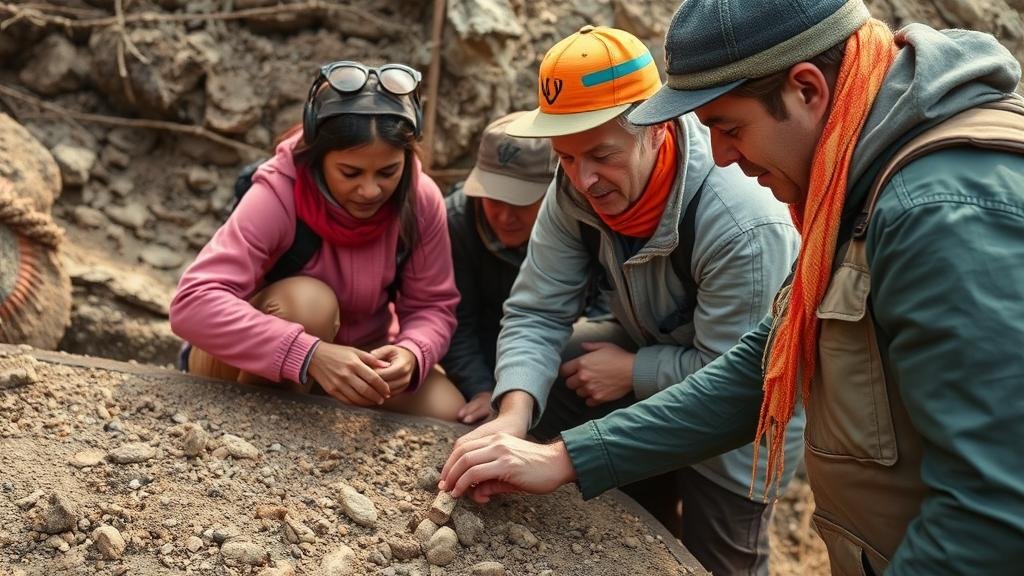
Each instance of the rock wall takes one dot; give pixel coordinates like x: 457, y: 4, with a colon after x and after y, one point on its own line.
x: 138, y: 203
x: 245, y: 78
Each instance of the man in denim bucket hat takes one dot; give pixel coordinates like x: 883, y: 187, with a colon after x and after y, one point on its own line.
x: 901, y: 328
x: 688, y: 256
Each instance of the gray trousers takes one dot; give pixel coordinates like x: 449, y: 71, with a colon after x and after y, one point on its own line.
x: 726, y: 532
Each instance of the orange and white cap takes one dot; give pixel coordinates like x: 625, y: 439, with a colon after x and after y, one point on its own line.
x: 586, y: 80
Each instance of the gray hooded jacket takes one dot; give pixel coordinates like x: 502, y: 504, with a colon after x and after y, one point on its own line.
x: 744, y: 247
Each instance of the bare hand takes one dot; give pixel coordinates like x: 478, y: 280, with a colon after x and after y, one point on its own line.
x: 513, y: 419
x: 478, y: 408
x: 348, y: 374
x: 399, y: 364
x: 603, y: 374
x: 503, y: 463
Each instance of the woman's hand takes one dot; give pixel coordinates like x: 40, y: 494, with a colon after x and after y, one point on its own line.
x: 399, y: 364
x: 478, y: 408
x: 349, y: 374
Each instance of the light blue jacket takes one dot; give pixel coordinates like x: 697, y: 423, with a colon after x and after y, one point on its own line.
x: 744, y: 247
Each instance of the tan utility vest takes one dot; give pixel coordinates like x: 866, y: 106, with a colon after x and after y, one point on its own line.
x: 862, y: 452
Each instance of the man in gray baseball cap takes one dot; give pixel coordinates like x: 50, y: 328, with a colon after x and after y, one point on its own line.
x: 902, y: 159
x: 490, y: 217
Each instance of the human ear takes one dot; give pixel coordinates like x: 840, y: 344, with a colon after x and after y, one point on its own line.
x: 656, y: 134
x: 809, y: 90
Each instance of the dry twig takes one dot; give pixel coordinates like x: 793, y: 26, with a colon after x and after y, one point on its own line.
x: 41, y: 14
x: 189, y: 129
x: 433, y: 78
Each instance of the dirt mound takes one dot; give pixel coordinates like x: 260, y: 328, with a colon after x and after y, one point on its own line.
x: 110, y: 468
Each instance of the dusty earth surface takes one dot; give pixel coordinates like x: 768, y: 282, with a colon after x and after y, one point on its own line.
x: 136, y: 203
x: 114, y: 468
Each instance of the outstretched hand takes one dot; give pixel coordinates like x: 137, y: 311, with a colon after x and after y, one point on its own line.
x: 504, y: 463
x: 513, y: 419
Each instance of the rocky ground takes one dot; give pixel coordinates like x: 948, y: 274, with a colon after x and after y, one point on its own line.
x: 110, y: 468
x: 149, y: 118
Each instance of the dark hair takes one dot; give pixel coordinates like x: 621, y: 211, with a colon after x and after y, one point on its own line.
x: 768, y: 89
x: 351, y: 130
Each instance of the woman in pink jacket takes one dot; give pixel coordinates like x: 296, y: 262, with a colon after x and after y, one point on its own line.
x: 371, y: 312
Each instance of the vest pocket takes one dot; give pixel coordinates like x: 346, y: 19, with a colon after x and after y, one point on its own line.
x: 848, y: 413
x: 848, y: 555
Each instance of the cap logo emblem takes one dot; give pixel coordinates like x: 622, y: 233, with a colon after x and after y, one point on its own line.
x: 549, y: 94
x: 507, y: 151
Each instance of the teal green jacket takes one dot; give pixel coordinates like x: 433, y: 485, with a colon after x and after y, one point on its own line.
x: 946, y: 251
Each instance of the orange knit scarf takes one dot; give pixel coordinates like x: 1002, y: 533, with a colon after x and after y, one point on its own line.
x: 641, y: 219
x: 793, y: 355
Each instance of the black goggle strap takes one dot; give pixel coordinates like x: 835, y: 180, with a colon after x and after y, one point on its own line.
x: 314, y: 88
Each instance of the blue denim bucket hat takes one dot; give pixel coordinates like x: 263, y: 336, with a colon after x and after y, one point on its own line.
x: 713, y: 46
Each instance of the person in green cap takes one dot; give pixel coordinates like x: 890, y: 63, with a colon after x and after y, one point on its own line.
x: 902, y: 159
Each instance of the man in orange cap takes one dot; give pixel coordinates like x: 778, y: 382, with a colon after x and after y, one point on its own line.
x: 689, y: 255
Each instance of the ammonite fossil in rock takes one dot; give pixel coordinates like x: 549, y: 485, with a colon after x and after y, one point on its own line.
x: 35, y: 291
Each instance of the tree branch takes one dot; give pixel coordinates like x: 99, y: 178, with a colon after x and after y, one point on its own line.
x: 189, y: 129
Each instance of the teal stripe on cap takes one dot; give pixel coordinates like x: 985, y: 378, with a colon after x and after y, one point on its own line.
x: 617, y: 71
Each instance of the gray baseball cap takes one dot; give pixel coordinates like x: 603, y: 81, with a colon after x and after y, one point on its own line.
x: 712, y: 47
x: 510, y: 169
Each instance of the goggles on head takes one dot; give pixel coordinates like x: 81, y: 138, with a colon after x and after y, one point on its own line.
x: 347, y: 76
x: 394, y: 83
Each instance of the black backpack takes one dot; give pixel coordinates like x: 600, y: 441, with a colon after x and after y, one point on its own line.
x: 306, y: 242
x: 680, y: 257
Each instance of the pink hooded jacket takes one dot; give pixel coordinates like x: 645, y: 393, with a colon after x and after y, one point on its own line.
x: 211, y: 309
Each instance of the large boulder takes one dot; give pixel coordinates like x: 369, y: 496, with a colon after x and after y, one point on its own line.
x: 55, y: 66
x: 157, y: 88
x: 27, y: 165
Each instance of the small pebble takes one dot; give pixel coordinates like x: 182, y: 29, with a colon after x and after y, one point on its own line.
x: 341, y: 562
x: 109, y: 542
x: 131, y: 453
x: 194, y: 544
x: 487, y: 569
x: 442, y: 547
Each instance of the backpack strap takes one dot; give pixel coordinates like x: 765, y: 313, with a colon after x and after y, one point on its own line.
x: 244, y: 181
x: 304, y: 246
x: 995, y: 126
x: 591, y: 239
x: 681, y: 256
x: 401, y: 257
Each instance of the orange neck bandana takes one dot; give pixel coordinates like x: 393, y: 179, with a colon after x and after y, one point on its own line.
x: 641, y: 219
x: 792, y: 361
